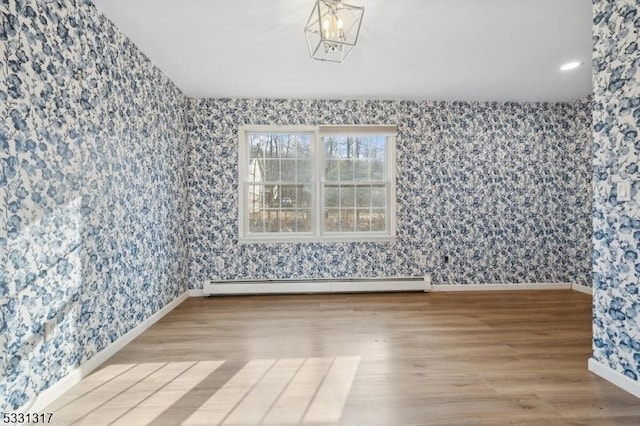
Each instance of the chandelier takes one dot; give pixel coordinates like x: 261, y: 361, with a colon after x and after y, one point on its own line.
x: 332, y: 30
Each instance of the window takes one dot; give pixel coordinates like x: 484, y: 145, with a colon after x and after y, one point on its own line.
x: 327, y: 183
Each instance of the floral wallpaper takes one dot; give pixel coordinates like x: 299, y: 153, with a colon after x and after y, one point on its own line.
x: 92, y: 200
x: 616, y: 236
x: 116, y: 192
x: 503, y: 190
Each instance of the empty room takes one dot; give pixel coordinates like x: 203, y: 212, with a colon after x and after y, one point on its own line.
x: 320, y: 212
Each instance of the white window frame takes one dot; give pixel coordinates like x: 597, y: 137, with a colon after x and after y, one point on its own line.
x: 317, y: 185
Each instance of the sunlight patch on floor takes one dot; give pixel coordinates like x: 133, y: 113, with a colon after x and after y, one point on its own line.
x: 290, y: 391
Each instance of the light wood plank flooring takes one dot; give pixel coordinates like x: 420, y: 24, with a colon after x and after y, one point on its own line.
x: 483, y: 358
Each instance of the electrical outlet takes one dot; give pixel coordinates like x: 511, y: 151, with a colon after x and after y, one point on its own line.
x: 623, y: 189
x: 423, y: 260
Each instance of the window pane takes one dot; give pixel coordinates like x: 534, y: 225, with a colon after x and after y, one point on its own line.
x: 288, y: 170
x: 271, y: 172
x: 331, y: 196
x: 272, y: 145
x: 363, y: 220
x: 378, y: 154
x: 330, y: 148
x: 270, y: 196
x: 332, y: 170
x: 361, y: 170
x: 377, y: 146
x: 378, y: 196
x: 362, y: 150
x: 288, y: 221
x: 256, y: 146
x: 256, y: 221
x: 286, y: 196
x: 281, y: 213
x: 347, y: 220
x: 345, y: 147
x: 332, y: 220
x: 256, y: 197
x: 271, y: 220
x: 303, y: 221
x: 303, y: 171
x: 378, y: 221
x: 363, y: 196
x: 377, y: 170
x: 304, y: 145
x: 347, y: 196
x: 255, y: 172
x: 288, y: 146
x: 346, y: 170
x: 303, y: 196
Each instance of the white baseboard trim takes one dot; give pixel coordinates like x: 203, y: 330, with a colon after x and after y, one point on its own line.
x: 581, y: 288
x: 316, y: 286
x: 618, y: 379
x: 71, y: 379
x: 322, y: 288
x: 196, y: 292
x: 500, y: 287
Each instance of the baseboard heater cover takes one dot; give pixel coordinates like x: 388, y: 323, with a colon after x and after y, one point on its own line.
x: 317, y: 285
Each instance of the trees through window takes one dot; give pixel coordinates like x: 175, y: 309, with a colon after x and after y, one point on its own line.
x: 316, y: 183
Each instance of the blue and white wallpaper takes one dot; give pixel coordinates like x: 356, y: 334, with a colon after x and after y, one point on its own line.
x: 502, y: 189
x: 616, y: 238
x: 117, y: 193
x: 92, y: 200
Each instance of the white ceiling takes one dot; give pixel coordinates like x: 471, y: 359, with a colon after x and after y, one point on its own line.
x: 495, y: 50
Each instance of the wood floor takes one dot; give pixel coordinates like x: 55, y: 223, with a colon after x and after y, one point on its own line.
x: 484, y: 358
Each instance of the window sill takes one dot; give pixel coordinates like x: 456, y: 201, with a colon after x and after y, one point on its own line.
x: 323, y: 239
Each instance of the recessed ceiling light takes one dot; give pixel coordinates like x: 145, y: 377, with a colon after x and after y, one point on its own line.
x: 570, y: 66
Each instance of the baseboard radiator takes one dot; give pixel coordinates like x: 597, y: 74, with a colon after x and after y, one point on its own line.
x: 317, y: 285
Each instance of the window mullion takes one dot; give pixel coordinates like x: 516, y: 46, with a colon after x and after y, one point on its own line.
x: 318, y: 189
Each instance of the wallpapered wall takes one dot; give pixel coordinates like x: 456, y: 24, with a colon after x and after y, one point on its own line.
x: 92, y: 201
x: 98, y: 181
x: 504, y: 190
x: 616, y: 119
